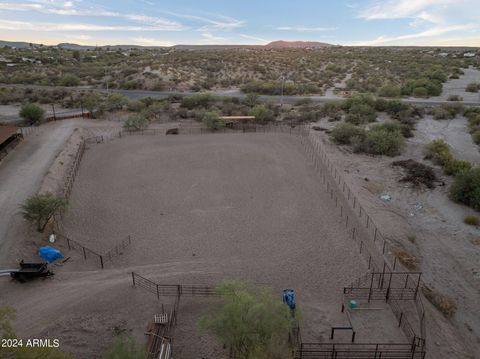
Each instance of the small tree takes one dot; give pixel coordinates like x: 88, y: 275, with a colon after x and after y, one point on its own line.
x: 91, y: 102
x: 251, y: 99
x: 251, y: 320
x: 39, y: 208
x: 136, y: 122
x: 212, y: 120
x: 32, y: 113
x: 69, y: 80
x: 262, y: 113
x: 466, y: 188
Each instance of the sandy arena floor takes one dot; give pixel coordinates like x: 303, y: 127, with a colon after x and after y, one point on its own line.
x: 228, y: 206
x: 201, y: 209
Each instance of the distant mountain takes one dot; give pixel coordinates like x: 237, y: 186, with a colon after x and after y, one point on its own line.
x: 296, y: 44
x: 273, y: 45
x: 18, y: 45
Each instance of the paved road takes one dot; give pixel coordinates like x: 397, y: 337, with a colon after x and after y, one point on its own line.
x: 22, y: 172
x: 139, y: 94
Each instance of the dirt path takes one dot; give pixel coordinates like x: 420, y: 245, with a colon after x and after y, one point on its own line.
x: 22, y: 172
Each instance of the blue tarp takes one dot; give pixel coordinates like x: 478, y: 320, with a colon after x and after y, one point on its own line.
x: 50, y: 254
x: 289, y: 298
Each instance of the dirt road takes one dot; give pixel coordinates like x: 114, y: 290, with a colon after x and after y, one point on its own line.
x: 22, y: 172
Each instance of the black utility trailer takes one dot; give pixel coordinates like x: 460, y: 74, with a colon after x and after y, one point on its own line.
x: 29, y: 271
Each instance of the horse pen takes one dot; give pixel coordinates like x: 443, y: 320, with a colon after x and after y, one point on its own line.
x: 207, y: 207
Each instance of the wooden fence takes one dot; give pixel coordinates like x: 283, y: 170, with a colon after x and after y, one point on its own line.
x: 72, y: 174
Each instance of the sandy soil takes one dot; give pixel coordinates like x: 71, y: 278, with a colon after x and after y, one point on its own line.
x: 200, y: 209
x: 426, y: 223
x: 457, y: 86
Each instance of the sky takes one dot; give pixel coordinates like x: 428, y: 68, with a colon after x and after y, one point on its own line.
x: 166, y: 23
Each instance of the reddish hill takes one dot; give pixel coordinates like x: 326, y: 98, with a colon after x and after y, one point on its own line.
x: 296, y: 44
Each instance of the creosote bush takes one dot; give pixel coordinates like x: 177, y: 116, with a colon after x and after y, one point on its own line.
x: 440, y: 301
x: 466, y: 188
x: 213, y: 121
x: 136, y: 122
x: 345, y: 132
x: 32, y: 113
x: 471, y: 220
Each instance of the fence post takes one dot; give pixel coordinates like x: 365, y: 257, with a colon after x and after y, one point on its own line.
x: 133, y: 278
x: 101, y: 261
x: 84, y: 253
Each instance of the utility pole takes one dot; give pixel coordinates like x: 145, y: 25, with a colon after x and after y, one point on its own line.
x: 106, y: 79
x: 283, y: 87
x: 54, y: 116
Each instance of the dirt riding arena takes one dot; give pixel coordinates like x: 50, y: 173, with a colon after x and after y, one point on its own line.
x: 199, y: 209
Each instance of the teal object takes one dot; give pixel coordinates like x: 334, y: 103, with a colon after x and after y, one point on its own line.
x: 353, y: 304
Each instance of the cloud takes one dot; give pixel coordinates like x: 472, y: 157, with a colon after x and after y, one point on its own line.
x: 305, y: 29
x: 217, y: 22
x: 209, y: 38
x: 151, y: 42
x: 430, y: 33
x: 68, y: 8
x: 398, y: 9
x: 258, y: 39
x: 45, y: 26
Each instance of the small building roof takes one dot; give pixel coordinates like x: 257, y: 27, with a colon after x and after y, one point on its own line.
x: 6, y: 131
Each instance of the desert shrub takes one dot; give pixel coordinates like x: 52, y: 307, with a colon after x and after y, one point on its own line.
x: 454, y: 167
x: 438, y: 152
x: 473, y: 87
x: 440, y: 113
x: 250, y: 320
x: 331, y: 109
x: 69, y: 80
x: 471, y: 220
x: 91, y: 102
x: 130, y: 85
x: 390, y: 91
x: 407, y: 259
x: 345, y: 132
x: 444, y: 304
x: 251, y: 99
x: 198, y: 101
x: 384, y: 141
x: 40, y: 208
x: 422, y: 87
x: 466, y: 188
x: 420, y: 92
x: 135, y: 105
x: 32, y: 113
x: 476, y: 136
x: 454, y: 98
x: 361, y: 114
x: 136, y: 122
x: 212, y: 120
x: 125, y: 348
x: 262, y: 113
x: 116, y: 101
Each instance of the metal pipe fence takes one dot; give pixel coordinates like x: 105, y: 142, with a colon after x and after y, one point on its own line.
x: 373, y: 244
x: 100, y: 258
